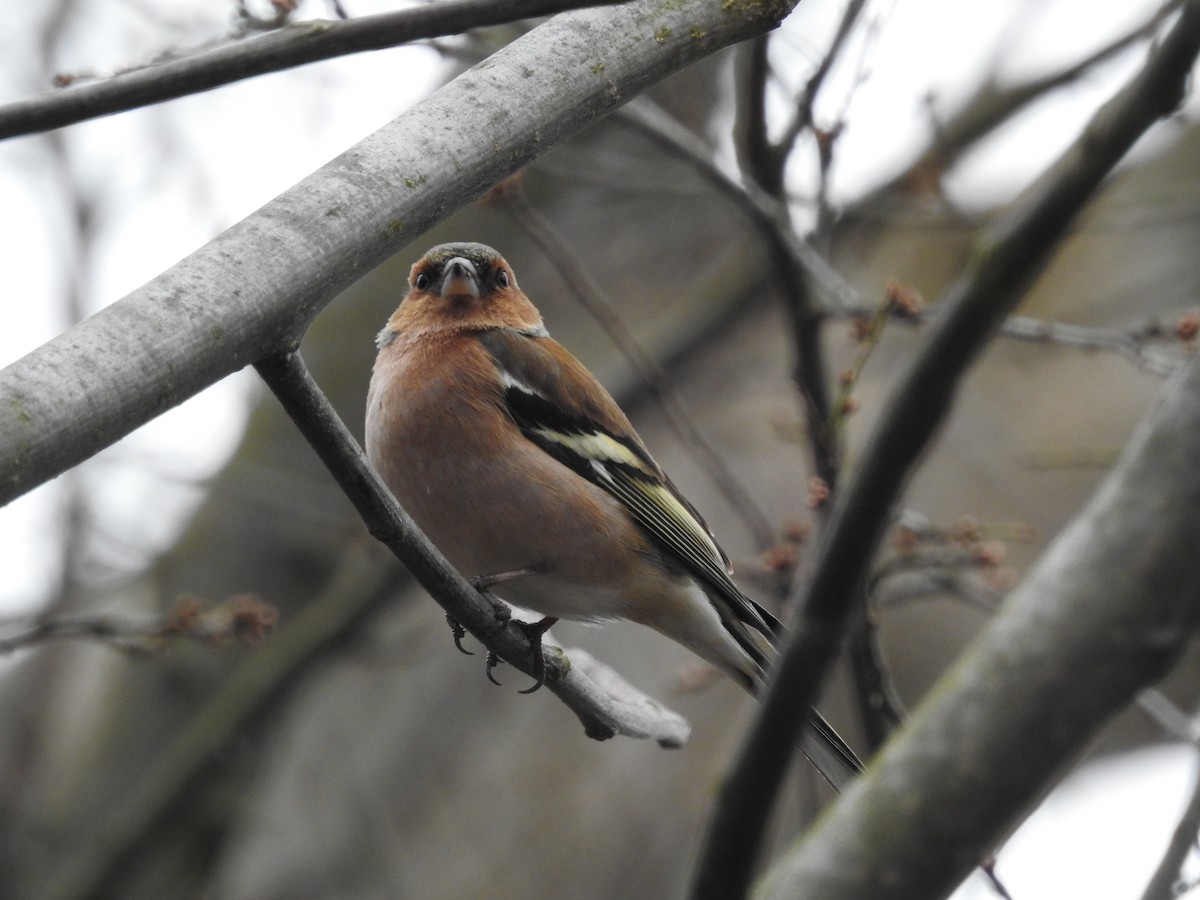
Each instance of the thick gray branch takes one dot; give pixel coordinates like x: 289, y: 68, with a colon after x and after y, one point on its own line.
x: 1103, y: 615
x: 253, y: 290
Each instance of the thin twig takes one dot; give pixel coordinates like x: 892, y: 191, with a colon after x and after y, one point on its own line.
x: 993, y: 105
x: 756, y: 153
x: 767, y: 215
x: 294, y: 45
x: 804, y: 106
x: 1007, y: 258
x: 763, y: 164
x: 1135, y: 342
x: 1162, y: 884
x: 1173, y: 721
x: 245, y: 697
x: 649, y: 373
x: 868, y: 331
x: 243, y: 616
x: 883, y: 709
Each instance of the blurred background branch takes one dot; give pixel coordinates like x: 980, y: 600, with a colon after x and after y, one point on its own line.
x: 1006, y: 259
x: 1104, y: 614
x: 297, y: 44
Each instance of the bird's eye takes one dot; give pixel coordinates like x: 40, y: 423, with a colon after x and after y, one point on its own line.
x: 421, y: 282
x: 502, y: 279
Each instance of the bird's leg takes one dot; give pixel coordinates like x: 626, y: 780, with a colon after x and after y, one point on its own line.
x: 482, y: 583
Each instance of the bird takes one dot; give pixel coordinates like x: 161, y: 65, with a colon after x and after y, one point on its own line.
x: 522, y: 469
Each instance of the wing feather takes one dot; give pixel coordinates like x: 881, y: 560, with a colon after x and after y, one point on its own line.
x: 559, y: 406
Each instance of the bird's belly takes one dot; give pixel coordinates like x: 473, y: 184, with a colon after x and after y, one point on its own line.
x: 551, y: 595
x: 493, y: 518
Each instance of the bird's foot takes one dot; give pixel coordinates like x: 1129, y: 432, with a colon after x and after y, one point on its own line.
x: 481, y: 583
x: 459, y: 633
x: 533, y: 631
x: 492, y: 661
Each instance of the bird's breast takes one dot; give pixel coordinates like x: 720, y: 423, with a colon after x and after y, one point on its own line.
x: 439, y: 436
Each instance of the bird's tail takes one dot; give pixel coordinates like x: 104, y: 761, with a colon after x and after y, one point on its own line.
x: 829, y: 754
x: 824, y: 747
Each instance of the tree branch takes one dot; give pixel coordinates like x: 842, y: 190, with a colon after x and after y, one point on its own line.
x: 1103, y: 614
x: 603, y: 714
x: 256, y: 687
x: 809, y: 285
x: 252, y: 291
x: 293, y: 45
x: 766, y: 214
x: 1162, y: 884
x: 757, y: 156
x: 1006, y: 259
x: 1135, y: 342
x: 992, y: 105
x: 243, y: 616
x: 804, y: 107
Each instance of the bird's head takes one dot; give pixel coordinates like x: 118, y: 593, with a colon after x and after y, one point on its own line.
x: 463, y: 287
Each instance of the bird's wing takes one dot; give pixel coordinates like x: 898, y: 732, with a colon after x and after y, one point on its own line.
x: 561, y: 407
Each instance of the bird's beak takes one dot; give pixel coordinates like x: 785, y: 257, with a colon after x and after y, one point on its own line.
x: 459, y: 279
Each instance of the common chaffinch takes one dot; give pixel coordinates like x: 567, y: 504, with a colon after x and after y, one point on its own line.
x: 523, y: 470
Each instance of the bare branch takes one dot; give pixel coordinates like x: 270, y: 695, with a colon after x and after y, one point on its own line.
x: 809, y: 284
x: 1174, y: 723
x: 1163, y: 884
x: 993, y: 105
x: 245, y: 697
x: 763, y: 164
x: 767, y: 215
x: 804, y: 107
x: 186, y: 329
x: 603, y: 716
x: 1140, y: 343
x: 1006, y: 259
x: 757, y: 156
x: 294, y: 45
x: 1135, y: 342
x: 244, y: 617
x: 1104, y: 613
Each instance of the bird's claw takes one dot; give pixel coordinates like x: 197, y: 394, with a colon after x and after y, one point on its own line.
x: 534, y: 631
x: 459, y: 633
x: 492, y: 661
